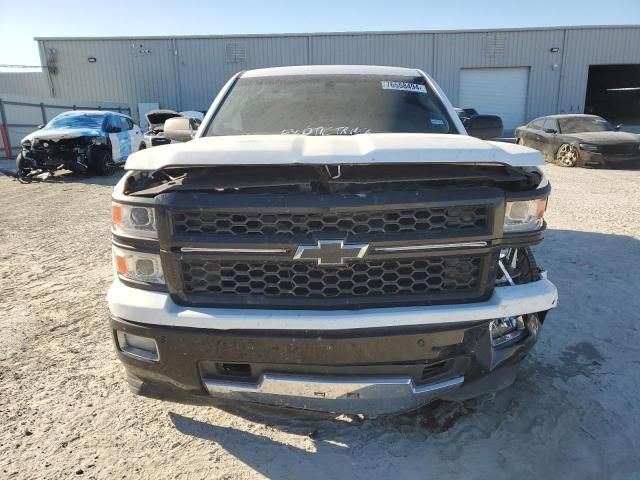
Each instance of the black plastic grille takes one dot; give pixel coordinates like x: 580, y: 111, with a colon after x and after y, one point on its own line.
x: 309, y: 280
x: 620, y: 149
x: 467, y: 218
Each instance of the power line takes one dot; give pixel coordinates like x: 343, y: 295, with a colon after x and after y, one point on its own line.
x: 3, y: 65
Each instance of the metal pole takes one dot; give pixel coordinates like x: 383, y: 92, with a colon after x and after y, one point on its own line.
x: 3, y: 119
x: 44, y: 113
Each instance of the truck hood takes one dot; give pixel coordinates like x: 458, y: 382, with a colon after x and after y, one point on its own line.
x: 332, y: 150
x: 55, y: 134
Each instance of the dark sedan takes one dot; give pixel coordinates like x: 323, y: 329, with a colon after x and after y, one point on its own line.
x: 580, y: 140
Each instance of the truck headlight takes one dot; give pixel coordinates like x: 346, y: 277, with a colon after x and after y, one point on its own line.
x: 138, y: 266
x: 133, y: 220
x: 524, y: 215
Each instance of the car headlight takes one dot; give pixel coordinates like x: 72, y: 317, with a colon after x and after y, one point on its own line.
x: 138, y: 266
x: 133, y: 220
x: 589, y: 147
x: 524, y: 215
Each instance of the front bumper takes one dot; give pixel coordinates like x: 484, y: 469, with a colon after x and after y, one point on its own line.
x: 598, y: 159
x: 368, y: 368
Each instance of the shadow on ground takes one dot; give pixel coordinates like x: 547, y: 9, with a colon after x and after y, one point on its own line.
x: 597, y: 285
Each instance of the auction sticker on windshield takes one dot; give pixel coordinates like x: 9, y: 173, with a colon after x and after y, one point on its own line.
x: 404, y: 86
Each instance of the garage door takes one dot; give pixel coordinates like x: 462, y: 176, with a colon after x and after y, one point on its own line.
x: 496, y: 91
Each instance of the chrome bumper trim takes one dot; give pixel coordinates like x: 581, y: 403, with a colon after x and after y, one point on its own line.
x: 371, y: 396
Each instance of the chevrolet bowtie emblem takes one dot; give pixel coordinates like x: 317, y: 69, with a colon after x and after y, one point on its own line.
x: 331, y: 252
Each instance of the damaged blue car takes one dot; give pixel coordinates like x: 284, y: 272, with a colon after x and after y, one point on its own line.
x: 83, y: 141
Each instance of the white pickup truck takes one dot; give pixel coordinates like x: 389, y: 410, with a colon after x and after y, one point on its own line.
x: 333, y: 240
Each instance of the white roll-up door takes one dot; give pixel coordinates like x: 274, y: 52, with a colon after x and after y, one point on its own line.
x: 496, y: 91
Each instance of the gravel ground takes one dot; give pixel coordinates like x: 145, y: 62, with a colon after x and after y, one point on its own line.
x: 65, y: 410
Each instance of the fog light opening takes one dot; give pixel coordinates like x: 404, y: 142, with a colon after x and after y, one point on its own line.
x: 507, y: 330
x: 142, y: 348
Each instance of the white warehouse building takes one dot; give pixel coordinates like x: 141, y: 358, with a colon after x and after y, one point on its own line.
x: 518, y: 74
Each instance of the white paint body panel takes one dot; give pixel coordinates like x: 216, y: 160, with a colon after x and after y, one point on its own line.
x: 333, y: 70
x: 157, y: 308
x: 356, y: 149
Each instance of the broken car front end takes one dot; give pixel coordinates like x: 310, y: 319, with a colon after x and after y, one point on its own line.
x: 49, y: 155
x: 355, y: 289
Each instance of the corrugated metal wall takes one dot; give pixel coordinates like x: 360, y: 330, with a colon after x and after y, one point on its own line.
x: 607, y: 46
x: 203, y: 68
x: 510, y: 49
x: 399, y: 50
x: 28, y: 83
x: 186, y: 73
x: 125, y: 70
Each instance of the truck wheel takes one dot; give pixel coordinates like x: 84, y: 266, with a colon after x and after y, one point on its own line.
x: 567, y: 156
x: 102, y: 163
x: 142, y: 146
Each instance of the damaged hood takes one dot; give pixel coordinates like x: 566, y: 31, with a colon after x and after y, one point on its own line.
x: 332, y: 150
x: 55, y: 134
x: 158, y: 117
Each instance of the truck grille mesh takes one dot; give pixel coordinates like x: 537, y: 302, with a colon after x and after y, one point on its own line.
x: 308, y: 280
x: 469, y: 217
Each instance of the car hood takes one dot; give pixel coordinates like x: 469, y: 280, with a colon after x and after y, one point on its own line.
x: 158, y: 117
x: 55, y: 134
x: 605, y: 138
x: 332, y: 150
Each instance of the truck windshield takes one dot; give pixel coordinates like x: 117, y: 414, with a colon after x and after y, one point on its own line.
x: 330, y: 105
x: 584, y: 124
x: 77, y: 120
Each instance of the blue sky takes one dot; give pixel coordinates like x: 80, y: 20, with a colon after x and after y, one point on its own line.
x: 20, y: 21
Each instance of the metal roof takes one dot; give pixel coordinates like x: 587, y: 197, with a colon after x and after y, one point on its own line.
x: 320, y: 34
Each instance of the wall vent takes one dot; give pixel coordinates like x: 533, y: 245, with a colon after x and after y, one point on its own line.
x: 495, y: 46
x: 236, y: 52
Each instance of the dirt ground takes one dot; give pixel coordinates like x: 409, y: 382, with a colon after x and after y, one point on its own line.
x: 66, y: 412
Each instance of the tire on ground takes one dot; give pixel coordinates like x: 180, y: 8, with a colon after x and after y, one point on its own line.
x: 101, y: 162
x: 23, y: 165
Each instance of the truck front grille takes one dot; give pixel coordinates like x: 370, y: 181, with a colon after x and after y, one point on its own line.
x: 458, y: 218
x: 309, y: 280
x: 239, y: 250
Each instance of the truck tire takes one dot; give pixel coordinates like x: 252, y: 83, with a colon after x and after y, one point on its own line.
x: 102, y: 163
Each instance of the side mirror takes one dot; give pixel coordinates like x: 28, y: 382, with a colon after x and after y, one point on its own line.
x: 550, y: 130
x: 112, y: 129
x: 41, y: 126
x: 484, y: 126
x: 179, y: 129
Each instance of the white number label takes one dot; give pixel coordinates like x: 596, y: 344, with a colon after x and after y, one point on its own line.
x: 405, y: 86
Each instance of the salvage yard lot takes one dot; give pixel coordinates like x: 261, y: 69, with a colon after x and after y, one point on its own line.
x: 65, y: 410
